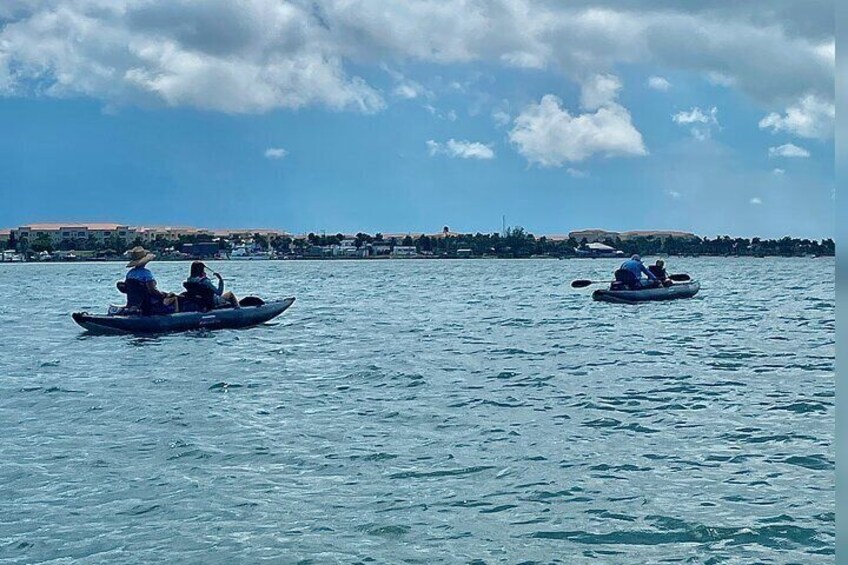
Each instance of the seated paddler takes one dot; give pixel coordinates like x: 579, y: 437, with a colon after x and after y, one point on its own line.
x: 658, y: 269
x: 140, y: 286
x: 630, y: 272
x: 201, y: 288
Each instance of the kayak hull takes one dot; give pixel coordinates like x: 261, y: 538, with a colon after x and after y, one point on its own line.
x: 673, y: 292
x: 224, y: 318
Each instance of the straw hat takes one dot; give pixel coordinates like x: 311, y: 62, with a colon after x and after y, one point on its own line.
x: 139, y: 256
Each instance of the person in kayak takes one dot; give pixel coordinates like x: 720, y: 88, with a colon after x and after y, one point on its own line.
x: 658, y: 269
x: 219, y: 298
x: 140, y: 286
x: 633, y: 269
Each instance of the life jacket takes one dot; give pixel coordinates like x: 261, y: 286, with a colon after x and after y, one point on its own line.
x: 658, y: 272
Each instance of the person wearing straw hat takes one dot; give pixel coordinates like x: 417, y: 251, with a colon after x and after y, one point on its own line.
x: 160, y: 302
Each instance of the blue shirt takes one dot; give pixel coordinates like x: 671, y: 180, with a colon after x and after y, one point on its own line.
x: 637, y: 268
x: 142, y: 274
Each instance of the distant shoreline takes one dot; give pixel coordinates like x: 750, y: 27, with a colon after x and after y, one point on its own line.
x: 403, y: 259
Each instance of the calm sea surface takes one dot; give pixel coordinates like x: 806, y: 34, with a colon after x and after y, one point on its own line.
x: 421, y: 412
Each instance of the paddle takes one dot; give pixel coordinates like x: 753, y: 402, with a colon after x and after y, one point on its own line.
x: 583, y: 283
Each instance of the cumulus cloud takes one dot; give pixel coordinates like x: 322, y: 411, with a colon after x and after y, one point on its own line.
x: 549, y: 135
x: 599, y: 90
x: 810, y: 117
x: 275, y: 153
x: 788, y: 150
x: 659, y: 83
x: 258, y: 55
x: 756, y: 201
x: 701, y: 122
x: 460, y: 149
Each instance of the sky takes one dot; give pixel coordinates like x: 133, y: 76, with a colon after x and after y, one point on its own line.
x: 359, y: 115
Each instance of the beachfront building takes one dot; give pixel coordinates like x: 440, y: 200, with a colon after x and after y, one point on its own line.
x: 58, y: 233
x: 404, y: 251
x: 248, y: 234
x: 148, y: 234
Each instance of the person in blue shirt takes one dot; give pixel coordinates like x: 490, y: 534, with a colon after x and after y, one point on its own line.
x: 157, y: 302
x: 637, y: 269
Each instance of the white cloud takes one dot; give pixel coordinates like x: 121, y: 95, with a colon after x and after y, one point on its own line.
x: 460, y: 149
x: 702, y: 122
x: 577, y: 173
x: 549, y: 135
x: 756, y: 201
x: 720, y: 79
x: 258, y: 55
x: 778, y: 171
x: 659, y: 83
x: 810, y: 117
x: 673, y: 194
x: 275, y: 153
x: 406, y: 88
x: 501, y: 117
x: 598, y: 91
x: 788, y: 150
x: 696, y: 116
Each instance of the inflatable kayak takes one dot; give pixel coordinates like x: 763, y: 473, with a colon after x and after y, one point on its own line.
x: 673, y: 292
x: 243, y: 317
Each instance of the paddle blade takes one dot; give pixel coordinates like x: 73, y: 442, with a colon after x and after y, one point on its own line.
x: 680, y: 278
x: 251, y: 301
x: 581, y: 283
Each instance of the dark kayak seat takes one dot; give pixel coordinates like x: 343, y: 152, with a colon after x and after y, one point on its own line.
x: 139, y: 300
x: 198, y: 297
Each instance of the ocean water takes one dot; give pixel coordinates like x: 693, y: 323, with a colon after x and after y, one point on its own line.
x: 424, y: 412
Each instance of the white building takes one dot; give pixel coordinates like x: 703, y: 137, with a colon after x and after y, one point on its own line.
x: 404, y: 251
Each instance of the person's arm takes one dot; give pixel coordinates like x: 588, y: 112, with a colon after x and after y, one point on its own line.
x: 220, y: 290
x: 152, y: 290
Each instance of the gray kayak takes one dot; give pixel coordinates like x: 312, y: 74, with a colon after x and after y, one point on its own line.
x: 243, y: 317
x: 673, y: 292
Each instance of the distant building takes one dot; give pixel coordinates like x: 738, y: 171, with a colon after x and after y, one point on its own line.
x: 378, y: 248
x: 149, y: 234
x: 247, y: 233
x: 404, y: 251
x: 201, y: 250
x: 598, y: 250
x: 57, y: 233
x: 594, y: 235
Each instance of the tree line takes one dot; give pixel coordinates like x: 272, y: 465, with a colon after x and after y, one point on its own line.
x: 516, y: 242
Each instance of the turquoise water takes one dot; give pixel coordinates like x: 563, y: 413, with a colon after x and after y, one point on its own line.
x: 424, y: 411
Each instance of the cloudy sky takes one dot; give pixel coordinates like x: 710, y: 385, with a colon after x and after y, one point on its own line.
x: 347, y: 115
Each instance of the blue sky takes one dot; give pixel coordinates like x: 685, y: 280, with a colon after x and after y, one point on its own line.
x: 338, y: 116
